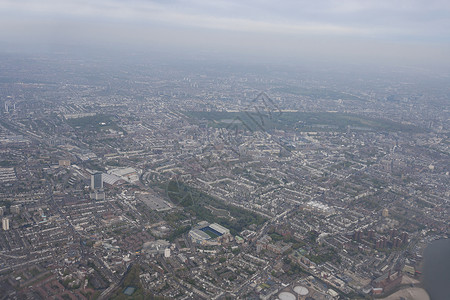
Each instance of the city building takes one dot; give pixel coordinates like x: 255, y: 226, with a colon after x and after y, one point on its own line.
x: 167, y: 252
x: 98, y: 195
x: 15, y: 209
x: 388, y: 281
x: 127, y: 174
x: 112, y: 180
x: 64, y: 162
x: 96, y: 181
x: 5, y: 224
x: 156, y: 247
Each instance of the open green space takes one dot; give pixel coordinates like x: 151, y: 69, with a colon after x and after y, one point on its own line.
x: 195, y: 201
x: 300, y: 121
x: 7, y: 163
x: 210, y: 233
x: 316, y: 93
x: 132, y: 280
x: 94, y: 123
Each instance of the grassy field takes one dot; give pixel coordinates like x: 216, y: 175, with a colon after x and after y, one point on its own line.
x: 94, y: 123
x: 316, y: 93
x: 195, y: 202
x: 300, y: 121
x: 132, y: 280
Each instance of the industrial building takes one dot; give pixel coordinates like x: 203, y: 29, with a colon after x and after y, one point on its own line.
x: 112, y: 180
x: 128, y: 174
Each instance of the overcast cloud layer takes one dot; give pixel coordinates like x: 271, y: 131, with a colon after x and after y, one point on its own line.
x: 380, y: 30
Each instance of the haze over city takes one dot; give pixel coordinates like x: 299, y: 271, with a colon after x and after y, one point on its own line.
x: 194, y: 149
x: 413, y: 33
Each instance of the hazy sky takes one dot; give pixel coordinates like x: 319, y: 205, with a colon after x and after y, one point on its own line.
x: 400, y: 31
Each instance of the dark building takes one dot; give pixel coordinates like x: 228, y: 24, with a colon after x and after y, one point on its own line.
x: 388, y: 281
x: 96, y: 181
x: 404, y: 237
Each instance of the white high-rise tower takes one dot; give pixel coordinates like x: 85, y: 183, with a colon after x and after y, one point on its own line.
x: 5, y: 223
